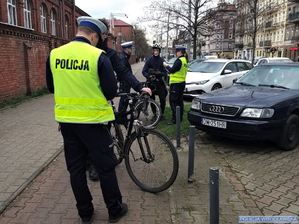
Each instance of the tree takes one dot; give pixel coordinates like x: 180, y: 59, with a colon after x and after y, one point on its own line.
x: 141, y: 46
x: 250, y: 11
x: 191, y: 16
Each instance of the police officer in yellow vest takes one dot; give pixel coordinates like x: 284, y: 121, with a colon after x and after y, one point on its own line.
x: 82, y: 80
x: 177, y: 81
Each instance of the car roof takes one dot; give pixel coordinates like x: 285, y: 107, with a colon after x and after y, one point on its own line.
x: 226, y: 60
x: 293, y: 64
x: 277, y: 58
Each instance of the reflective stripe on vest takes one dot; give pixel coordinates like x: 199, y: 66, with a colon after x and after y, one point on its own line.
x: 180, y: 76
x: 77, y: 92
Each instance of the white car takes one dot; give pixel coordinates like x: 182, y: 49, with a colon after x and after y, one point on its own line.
x: 261, y: 61
x: 212, y: 74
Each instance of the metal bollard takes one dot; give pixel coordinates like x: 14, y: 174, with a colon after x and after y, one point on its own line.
x: 214, y: 195
x: 178, y: 126
x: 191, y: 154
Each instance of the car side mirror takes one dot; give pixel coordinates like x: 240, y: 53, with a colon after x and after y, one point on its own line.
x: 235, y: 80
x: 227, y: 71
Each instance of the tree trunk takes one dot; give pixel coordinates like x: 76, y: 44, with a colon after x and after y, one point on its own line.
x: 194, y: 41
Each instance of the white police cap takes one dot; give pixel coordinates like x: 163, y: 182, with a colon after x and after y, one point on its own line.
x: 180, y: 47
x: 92, y: 23
x: 128, y: 44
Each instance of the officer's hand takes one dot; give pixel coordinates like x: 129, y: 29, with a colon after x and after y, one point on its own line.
x: 164, y: 64
x: 147, y: 90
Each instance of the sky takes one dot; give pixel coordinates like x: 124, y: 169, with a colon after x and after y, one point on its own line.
x: 99, y: 9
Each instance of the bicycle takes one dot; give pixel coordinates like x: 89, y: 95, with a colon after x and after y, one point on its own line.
x: 153, y: 168
x: 146, y: 110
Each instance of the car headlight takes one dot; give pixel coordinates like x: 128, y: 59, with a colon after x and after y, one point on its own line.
x: 196, y: 104
x: 202, y: 82
x: 199, y: 82
x: 257, y: 113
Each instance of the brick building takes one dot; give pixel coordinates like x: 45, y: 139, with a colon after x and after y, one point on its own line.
x: 29, y: 29
x: 122, y: 32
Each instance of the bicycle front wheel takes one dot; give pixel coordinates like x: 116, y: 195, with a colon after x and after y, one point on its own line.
x: 156, y: 169
x: 149, y: 112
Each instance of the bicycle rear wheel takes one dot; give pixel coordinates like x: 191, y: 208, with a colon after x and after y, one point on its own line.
x: 118, y: 142
x: 160, y: 171
x: 148, y: 111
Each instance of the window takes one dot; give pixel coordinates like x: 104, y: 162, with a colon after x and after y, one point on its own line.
x: 232, y: 67
x: 242, y: 66
x: 53, y: 22
x: 43, y: 18
x: 27, y: 14
x: 12, y: 12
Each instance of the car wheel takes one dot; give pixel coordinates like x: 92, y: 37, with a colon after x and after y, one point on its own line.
x: 290, y: 135
x: 216, y: 86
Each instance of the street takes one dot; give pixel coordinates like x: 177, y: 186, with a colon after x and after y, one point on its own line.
x: 256, y: 178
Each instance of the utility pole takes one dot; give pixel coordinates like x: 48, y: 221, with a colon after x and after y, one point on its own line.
x: 189, y: 25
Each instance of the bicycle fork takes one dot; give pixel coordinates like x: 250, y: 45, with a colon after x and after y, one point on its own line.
x: 147, y: 155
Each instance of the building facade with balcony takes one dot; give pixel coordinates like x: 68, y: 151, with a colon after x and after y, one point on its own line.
x: 29, y: 30
x: 243, y: 40
x: 291, y: 48
x: 271, y: 28
x: 222, y: 40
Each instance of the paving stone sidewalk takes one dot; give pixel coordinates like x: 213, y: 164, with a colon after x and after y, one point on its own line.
x: 255, y: 179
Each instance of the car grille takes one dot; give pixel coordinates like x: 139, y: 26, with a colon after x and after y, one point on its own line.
x: 219, y: 109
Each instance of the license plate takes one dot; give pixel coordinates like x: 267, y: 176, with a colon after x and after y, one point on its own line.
x: 213, y: 123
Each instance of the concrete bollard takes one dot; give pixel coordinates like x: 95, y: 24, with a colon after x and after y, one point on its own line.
x: 178, y: 126
x: 214, y: 195
x: 191, y: 154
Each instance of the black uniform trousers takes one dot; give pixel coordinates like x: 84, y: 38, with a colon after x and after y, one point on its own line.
x: 176, y: 99
x: 123, y: 103
x: 159, y: 88
x: 80, y: 141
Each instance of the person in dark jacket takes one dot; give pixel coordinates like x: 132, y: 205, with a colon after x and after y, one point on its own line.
x: 82, y: 80
x: 125, y: 86
x: 154, y: 71
x: 177, y: 82
x: 124, y: 75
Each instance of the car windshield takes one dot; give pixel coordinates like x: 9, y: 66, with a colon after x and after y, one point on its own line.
x: 206, y: 67
x: 276, y: 76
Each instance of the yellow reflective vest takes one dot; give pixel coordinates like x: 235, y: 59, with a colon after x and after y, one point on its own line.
x: 179, y: 76
x: 77, y: 91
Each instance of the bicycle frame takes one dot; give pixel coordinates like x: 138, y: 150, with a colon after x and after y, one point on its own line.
x: 137, y: 125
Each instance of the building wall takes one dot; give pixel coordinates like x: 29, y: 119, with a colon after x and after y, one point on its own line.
x: 222, y: 40
x: 23, y: 52
x: 124, y: 34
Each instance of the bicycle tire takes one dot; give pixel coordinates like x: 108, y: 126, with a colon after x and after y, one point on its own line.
x: 118, y: 142
x: 139, y: 170
x: 144, y: 112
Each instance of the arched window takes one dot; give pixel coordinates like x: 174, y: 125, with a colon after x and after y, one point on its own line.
x: 66, y: 30
x: 53, y: 22
x: 27, y: 14
x: 43, y: 18
x: 12, y: 12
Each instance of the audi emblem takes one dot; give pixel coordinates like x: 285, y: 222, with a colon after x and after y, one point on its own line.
x: 216, y: 109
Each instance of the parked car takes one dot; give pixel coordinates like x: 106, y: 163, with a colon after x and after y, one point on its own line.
x: 261, y: 61
x: 263, y: 104
x: 213, y: 74
x: 197, y: 60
